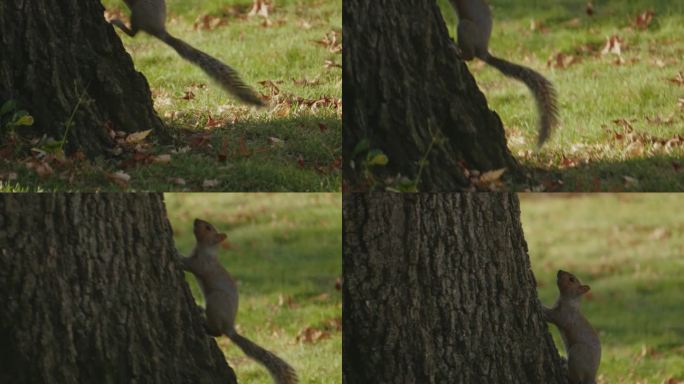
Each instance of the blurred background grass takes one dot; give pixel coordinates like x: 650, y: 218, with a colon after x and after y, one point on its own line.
x: 285, y: 251
x: 630, y: 249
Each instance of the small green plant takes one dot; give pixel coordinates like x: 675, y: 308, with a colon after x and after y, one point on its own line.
x: 12, y: 118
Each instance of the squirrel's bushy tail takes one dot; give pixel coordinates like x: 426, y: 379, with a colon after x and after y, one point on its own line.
x: 281, y: 371
x: 226, y: 76
x: 543, y: 91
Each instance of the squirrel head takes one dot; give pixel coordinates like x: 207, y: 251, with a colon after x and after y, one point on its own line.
x: 569, y: 285
x: 206, y: 234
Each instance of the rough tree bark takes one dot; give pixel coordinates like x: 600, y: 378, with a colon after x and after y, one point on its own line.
x: 55, y: 52
x: 91, y: 294
x: 438, y: 289
x: 403, y: 85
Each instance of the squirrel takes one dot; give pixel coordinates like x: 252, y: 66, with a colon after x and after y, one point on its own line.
x: 221, y: 297
x: 582, y: 344
x: 474, y: 30
x: 150, y: 16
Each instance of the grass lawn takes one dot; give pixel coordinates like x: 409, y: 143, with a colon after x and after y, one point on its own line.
x: 621, y: 115
x: 285, y: 251
x: 293, y: 58
x: 630, y: 249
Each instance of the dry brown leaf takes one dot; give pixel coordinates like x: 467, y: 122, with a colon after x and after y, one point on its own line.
x: 630, y: 181
x: 137, y: 137
x: 331, y: 64
x: 538, y: 26
x: 659, y: 233
x: 210, y: 183
x: 161, y: 159
x: 209, y: 22
x: 42, y: 168
x: 276, y: 142
x: 643, y: 20
x: 213, y: 123
x: 331, y: 42
x: 271, y: 85
x: 261, y: 8
x: 589, y: 9
x: 491, y: 176
x: 281, y: 110
x: 613, y: 45
x: 177, y: 180
x: 304, y: 24
x: 678, y: 79
x: 562, y: 60
x: 310, y: 335
x: 287, y: 301
x: 120, y: 178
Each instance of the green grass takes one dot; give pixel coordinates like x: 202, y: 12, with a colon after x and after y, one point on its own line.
x: 288, y: 146
x: 285, y: 252
x: 592, y: 150
x: 630, y: 249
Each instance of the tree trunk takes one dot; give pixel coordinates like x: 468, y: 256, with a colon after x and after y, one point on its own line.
x: 403, y: 87
x: 438, y: 289
x: 91, y: 293
x: 60, y: 57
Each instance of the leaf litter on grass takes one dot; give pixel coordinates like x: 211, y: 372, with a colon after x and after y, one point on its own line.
x: 136, y: 151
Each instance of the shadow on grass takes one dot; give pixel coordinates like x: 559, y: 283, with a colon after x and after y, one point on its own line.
x: 653, y: 174
x: 288, y: 154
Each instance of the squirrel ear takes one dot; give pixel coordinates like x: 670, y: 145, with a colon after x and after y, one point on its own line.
x: 584, y: 289
x: 220, y: 237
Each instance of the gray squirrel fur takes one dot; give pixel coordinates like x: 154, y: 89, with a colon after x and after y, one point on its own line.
x: 150, y: 16
x: 221, y: 298
x: 474, y: 31
x: 581, y: 341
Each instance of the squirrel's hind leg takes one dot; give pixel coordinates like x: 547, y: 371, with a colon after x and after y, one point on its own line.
x: 466, y: 32
x: 472, y: 40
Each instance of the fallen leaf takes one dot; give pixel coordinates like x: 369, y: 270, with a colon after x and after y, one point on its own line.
x: 213, y: 123
x: 137, y: 137
x: 630, y: 181
x: 678, y: 79
x: 276, y: 142
x: 42, y: 168
x: 613, y: 45
x: 177, y: 180
x: 208, y: 22
x: 210, y: 183
x: 331, y: 64
x: 310, y: 335
x: 162, y: 159
x: 644, y: 19
x: 120, y: 178
x: 491, y: 176
x: 589, y: 9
